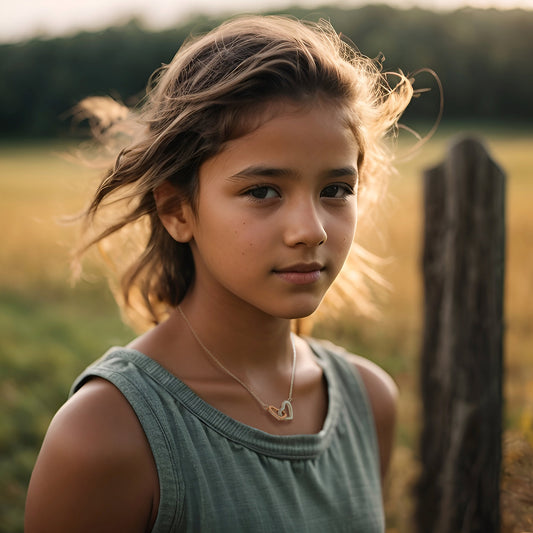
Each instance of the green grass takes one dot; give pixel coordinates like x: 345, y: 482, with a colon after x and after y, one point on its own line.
x: 47, y: 338
x: 50, y: 331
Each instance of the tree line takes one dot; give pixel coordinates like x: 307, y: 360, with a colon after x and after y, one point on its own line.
x: 482, y: 57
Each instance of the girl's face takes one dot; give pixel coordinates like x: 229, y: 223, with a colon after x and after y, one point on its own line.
x: 276, y: 212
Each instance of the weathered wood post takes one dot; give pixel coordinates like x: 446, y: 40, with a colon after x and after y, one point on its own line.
x: 462, y: 353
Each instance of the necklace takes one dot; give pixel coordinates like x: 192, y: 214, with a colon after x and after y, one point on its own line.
x: 284, y: 412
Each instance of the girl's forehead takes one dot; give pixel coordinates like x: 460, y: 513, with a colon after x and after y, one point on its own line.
x: 260, y: 116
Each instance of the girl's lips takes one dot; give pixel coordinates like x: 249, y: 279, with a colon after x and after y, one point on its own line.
x: 300, y: 278
x: 300, y: 274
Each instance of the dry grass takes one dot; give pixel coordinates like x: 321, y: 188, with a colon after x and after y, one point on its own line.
x: 36, y: 186
x: 514, y: 155
x: 403, y: 314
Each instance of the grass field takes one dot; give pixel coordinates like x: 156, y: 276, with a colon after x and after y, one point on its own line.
x: 50, y: 331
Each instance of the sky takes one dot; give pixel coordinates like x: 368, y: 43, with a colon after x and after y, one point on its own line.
x: 22, y: 19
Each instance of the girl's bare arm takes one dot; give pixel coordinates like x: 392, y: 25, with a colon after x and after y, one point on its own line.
x: 95, y: 471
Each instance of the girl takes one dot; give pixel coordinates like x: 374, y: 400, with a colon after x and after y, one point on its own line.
x: 243, y: 176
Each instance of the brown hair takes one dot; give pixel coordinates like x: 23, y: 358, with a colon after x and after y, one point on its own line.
x: 210, y: 93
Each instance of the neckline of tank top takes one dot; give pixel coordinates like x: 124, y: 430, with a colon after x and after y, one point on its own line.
x: 299, y: 446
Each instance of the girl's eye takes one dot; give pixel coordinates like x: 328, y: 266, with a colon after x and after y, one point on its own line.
x: 263, y: 192
x: 337, y: 191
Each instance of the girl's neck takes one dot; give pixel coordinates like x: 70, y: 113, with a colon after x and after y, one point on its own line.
x: 240, y: 336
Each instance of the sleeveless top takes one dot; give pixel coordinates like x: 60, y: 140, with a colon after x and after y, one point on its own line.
x: 219, y: 475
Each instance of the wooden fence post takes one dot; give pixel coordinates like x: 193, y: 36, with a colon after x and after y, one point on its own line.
x: 462, y: 353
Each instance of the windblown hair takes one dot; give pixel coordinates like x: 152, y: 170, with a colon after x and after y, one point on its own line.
x: 213, y: 91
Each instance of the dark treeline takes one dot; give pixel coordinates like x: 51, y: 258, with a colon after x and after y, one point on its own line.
x: 483, y: 58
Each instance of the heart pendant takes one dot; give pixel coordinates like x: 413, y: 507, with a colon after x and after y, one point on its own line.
x: 283, y: 413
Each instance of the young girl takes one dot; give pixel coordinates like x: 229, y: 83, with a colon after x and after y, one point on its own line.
x: 243, y: 177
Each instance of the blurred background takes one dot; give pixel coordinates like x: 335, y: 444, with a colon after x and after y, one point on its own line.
x: 53, y: 53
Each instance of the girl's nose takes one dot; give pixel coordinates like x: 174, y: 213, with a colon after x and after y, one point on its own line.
x: 304, y: 225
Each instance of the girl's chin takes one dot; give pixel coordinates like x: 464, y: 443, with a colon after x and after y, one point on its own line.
x: 298, y: 312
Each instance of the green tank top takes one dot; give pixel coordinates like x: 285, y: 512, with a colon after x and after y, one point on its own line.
x: 219, y: 475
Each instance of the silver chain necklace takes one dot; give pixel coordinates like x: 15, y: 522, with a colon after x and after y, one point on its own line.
x: 285, y: 412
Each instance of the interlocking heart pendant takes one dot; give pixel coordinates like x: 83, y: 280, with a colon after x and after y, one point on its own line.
x: 283, y: 413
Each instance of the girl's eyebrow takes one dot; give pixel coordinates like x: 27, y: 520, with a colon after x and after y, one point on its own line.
x: 262, y: 171
x: 349, y: 170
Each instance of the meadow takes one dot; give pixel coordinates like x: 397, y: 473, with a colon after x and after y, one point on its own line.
x: 50, y: 330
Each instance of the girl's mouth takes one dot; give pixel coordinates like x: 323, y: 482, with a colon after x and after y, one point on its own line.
x: 301, y: 273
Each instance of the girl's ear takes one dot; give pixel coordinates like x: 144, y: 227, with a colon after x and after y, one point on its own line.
x: 174, y: 212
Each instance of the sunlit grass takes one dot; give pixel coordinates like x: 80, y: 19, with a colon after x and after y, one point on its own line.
x: 49, y: 330
x: 38, y: 186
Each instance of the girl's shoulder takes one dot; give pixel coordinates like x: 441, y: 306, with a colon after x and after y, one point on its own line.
x: 377, y: 381
x: 382, y: 393
x: 95, y: 471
